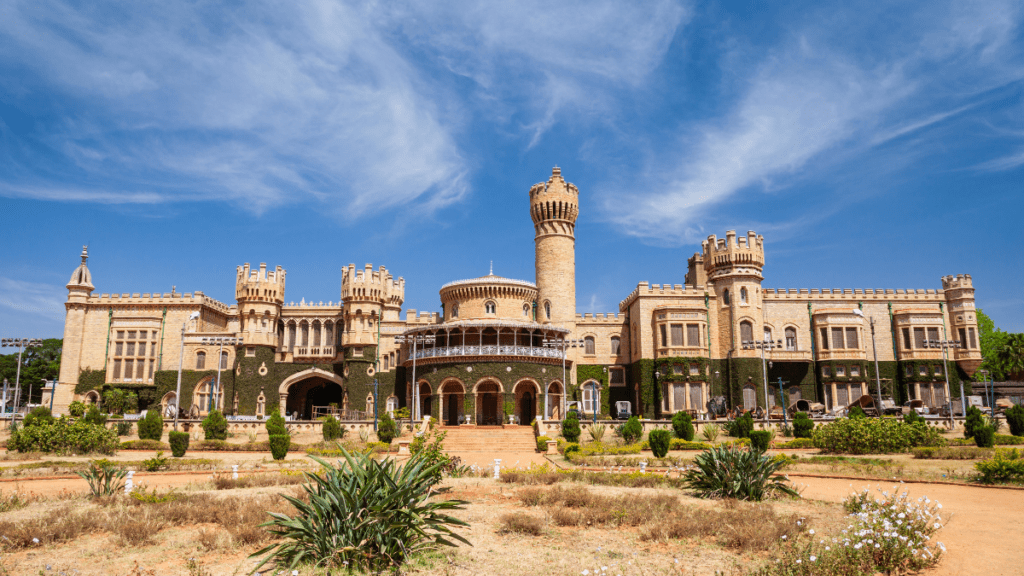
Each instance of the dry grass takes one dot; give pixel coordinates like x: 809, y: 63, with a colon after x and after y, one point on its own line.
x: 521, y: 523
x: 225, y: 482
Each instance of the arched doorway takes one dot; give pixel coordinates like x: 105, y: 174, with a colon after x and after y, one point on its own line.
x: 554, y: 401
x: 452, y: 393
x: 526, y: 393
x: 305, y: 396
x: 488, y: 395
x: 426, y: 400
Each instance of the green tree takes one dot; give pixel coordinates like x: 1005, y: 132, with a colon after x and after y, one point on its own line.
x: 992, y: 341
x: 1011, y: 356
x: 37, y: 364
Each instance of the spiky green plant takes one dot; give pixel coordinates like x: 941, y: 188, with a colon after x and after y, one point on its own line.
x: 364, y: 514
x: 104, y: 479
x: 731, y: 472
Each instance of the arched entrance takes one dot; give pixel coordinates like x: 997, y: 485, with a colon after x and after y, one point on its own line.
x: 452, y: 393
x: 314, y: 392
x: 426, y: 400
x: 526, y: 392
x: 488, y: 401
x: 554, y: 401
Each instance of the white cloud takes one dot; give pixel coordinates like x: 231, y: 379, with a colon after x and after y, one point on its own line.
x: 261, y: 105
x: 1004, y: 163
x: 803, y: 101
x: 44, y: 300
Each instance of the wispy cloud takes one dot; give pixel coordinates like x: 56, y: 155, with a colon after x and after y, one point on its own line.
x: 1004, y: 163
x: 808, y: 99
x: 260, y: 105
x: 44, y: 300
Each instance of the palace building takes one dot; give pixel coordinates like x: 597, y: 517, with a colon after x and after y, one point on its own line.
x: 501, y: 348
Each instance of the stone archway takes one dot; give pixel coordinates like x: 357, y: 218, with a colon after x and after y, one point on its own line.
x: 554, y: 401
x: 169, y: 405
x: 302, y: 391
x: 526, y: 393
x: 426, y: 398
x: 452, y: 392
x: 489, y: 405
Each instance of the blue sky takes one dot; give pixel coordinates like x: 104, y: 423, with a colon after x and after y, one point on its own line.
x: 874, y: 145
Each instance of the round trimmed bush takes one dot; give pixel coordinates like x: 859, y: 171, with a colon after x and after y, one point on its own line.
x: 151, y: 427
x: 542, y: 444
x: 76, y: 409
x: 912, y: 417
x: 571, y: 429
x: 741, y: 427
x: 279, y: 444
x: 276, y: 426
x: 632, y: 430
x: 38, y: 417
x: 571, y: 448
x: 215, y: 426
x: 759, y: 440
x: 856, y: 412
x: 1015, y: 418
x: 387, y: 429
x: 659, y: 441
x: 682, y: 425
x: 94, y: 416
x: 973, y: 421
x: 803, y: 426
x: 984, y: 436
x: 179, y: 443
x: 332, y: 429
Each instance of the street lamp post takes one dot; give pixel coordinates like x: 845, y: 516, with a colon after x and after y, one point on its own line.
x: 762, y: 345
x: 21, y: 344
x: 5, y: 396
x: 220, y: 341
x: 946, y: 345
x: 564, y: 344
x: 990, y: 393
x: 414, y: 340
x: 53, y: 391
x: 717, y: 374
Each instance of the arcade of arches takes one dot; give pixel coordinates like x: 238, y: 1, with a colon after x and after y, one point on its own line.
x: 313, y: 391
x: 488, y: 400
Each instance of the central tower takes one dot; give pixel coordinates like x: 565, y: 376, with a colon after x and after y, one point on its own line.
x: 554, y: 206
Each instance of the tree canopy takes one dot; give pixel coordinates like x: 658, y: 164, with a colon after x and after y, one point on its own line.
x: 1003, y: 352
x: 37, y: 364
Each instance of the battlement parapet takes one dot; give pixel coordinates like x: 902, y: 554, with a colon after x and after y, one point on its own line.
x: 373, y: 285
x: 166, y: 299
x: 959, y: 281
x: 720, y: 253
x: 644, y: 289
x: 599, y: 318
x: 259, y: 285
x: 414, y: 317
x: 888, y: 294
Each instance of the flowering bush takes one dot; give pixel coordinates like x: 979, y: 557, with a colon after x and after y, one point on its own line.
x: 874, y: 436
x: 1006, y: 466
x: 891, y: 535
x: 64, y: 437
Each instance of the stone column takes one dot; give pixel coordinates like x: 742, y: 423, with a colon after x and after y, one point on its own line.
x: 284, y: 404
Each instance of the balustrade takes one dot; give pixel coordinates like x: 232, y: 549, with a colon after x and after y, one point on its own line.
x: 532, y: 351
x: 314, y: 351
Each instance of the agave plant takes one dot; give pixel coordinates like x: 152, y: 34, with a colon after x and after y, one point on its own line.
x: 731, y: 472
x: 103, y: 478
x: 364, y: 514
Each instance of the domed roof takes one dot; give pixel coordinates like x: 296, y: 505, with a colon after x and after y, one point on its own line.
x: 81, y: 277
x: 490, y: 279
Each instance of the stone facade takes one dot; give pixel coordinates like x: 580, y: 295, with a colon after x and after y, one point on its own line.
x: 495, y: 349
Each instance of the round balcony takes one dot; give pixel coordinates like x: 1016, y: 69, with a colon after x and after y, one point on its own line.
x: 484, y: 341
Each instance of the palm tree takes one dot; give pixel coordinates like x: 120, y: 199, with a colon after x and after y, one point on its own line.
x: 1011, y: 355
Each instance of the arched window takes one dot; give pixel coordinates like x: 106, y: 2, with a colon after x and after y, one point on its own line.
x: 329, y: 333
x: 767, y: 333
x: 369, y: 404
x: 489, y: 307
x: 526, y: 310
x: 790, y: 338
x: 588, y: 345
x: 455, y: 311
x: 224, y: 360
x: 615, y: 345
x: 386, y: 359
x: 200, y: 360
x: 591, y: 397
x: 725, y: 297
x: 547, y: 310
x: 743, y: 295
x: 392, y: 405
x: 304, y: 327
x: 746, y: 331
x: 201, y: 395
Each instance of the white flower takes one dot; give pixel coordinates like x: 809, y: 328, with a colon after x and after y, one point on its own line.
x: 814, y: 558
x: 827, y: 548
x: 35, y: 540
x: 799, y: 561
x: 585, y: 572
x: 783, y: 536
x: 942, y: 546
x: 811, y: 531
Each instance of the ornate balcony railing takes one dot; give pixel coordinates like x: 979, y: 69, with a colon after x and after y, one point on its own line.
x: 314, y: 351
x: 531, y: 351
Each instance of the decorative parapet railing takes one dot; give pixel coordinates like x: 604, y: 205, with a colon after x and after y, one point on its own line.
x: 314, y: 351
x: 530, y: 351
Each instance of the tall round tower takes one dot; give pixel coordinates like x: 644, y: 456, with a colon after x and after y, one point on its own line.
x: 554, y: 206
x: 734, y: 268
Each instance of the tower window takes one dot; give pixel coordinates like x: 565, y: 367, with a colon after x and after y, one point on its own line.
x: 615, y: 345
x: 547, y: 310
x: 746, y: 331
x: 490, y: 307
x: 677, y: 334
x: 223, y: 360
x: 725, y: 297
x: 743, y: 295
x: 455, y: 311
x: 526, y: 310
x: 200, y: 360
x: 790, y: 338
x: 693, y: 335
x: 588, y: 345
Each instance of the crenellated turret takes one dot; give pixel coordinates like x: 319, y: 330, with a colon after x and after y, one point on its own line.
x: 368, y: 295
x: 733, y: 267
x: 554, y: 207
x: 260, y: 295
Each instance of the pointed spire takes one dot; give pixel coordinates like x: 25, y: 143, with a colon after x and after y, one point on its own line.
x: 81, y: 278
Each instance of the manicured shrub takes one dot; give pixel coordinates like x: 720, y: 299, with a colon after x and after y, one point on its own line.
x: 1006, y: 466
x: 731, y: 472
x: 571, y: 428
x: 279, y: 444
x: 542, y: 444
x: 94, y: 416
x: 571, y: 448
x: 912, y: 417
x: 680, y: 444
x: 387, y: 430
x: 76, y: 409
x: 759, y: 440
x: 123, y: 428
x: 659, y: 441
x: 276, y: 425
x: 38, y: 417
x: 803, y: 426
x: 874, y: 436
x: 64, y: 437
x: 682, y: 425
x: 179, y: 443
x: 973, y: 421
x: 856, y: 412
x: 151, y: 427
x: 740, y: 427
x: 332, y: 429
x: 632, y: 430
x: 1015, y: 418
x: 1007, y: 440
x: 215, y: 426
x: 984, y: 436
x: 364, y: 514
x: 796, y: 443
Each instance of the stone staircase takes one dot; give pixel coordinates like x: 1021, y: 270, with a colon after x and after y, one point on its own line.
x: 489, y: 439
